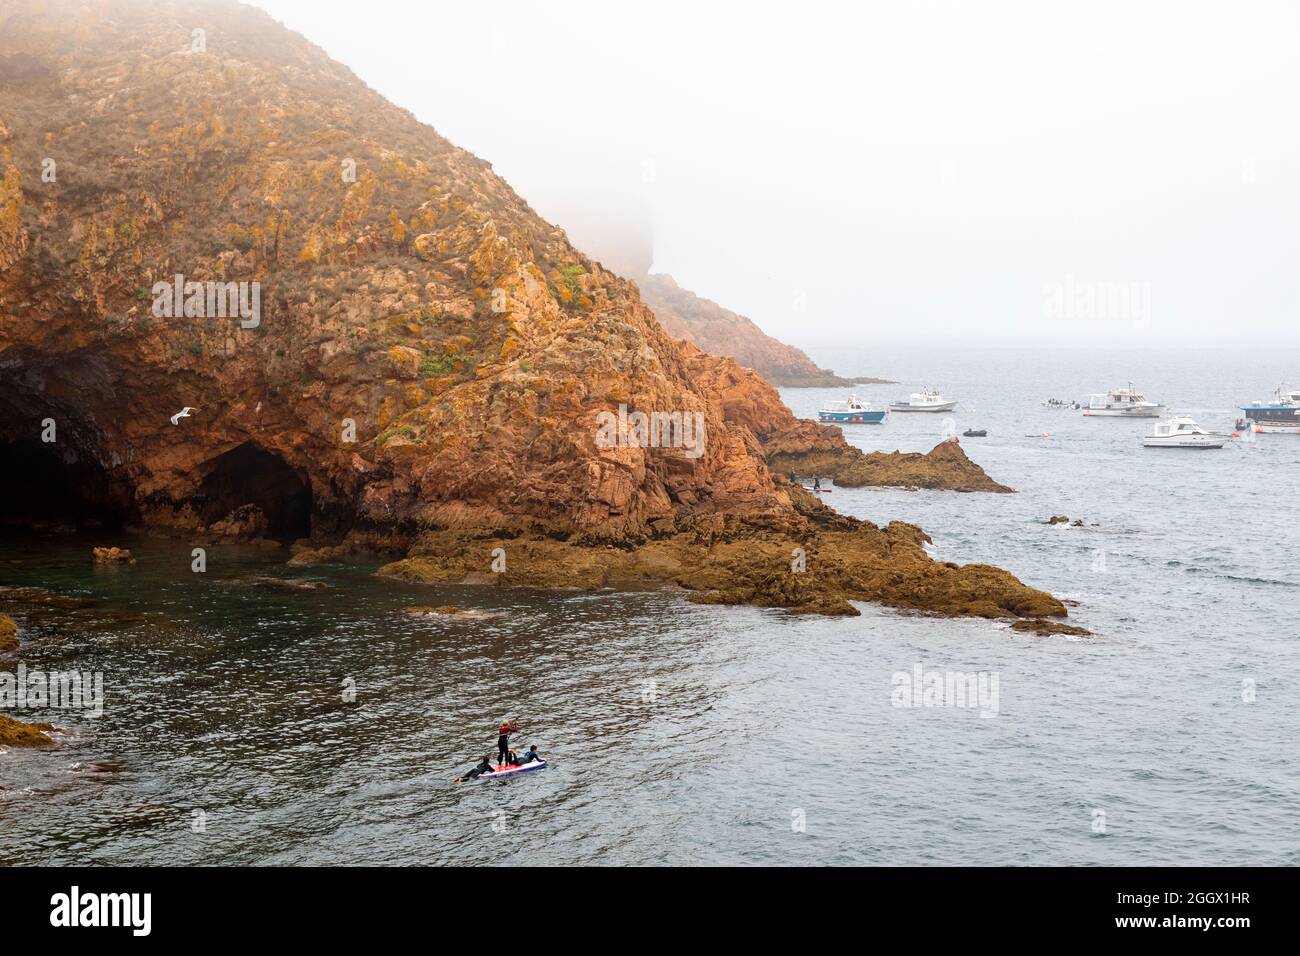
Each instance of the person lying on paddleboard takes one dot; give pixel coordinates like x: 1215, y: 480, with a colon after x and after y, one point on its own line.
x: 484, y: 767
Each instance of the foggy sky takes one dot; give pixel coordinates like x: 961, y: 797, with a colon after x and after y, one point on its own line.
x: 945, y: 173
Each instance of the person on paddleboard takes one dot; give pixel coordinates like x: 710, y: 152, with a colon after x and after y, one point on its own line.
x: 503, y: 741
x: 531, y: 755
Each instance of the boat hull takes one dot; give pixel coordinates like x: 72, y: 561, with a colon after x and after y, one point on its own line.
x: 1276, y: 419
x: 1187, y: 441
x: 1154, y: 412
x: 941, y: 407
x: 851, y: 418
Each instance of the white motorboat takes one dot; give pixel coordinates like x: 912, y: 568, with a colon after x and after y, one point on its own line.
x: 1122, y: 403
x: 926, y: 401
x: 1182, y: 432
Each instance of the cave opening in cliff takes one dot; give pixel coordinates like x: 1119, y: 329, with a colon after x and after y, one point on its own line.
x: 50, y: 484
x: 251, y: 476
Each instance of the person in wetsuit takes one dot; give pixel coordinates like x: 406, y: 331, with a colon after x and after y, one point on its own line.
x: 485, y: 766
x: 503, y: 741
x: 531, y: 755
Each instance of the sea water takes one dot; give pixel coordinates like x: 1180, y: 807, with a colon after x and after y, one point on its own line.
x: 252, y: 723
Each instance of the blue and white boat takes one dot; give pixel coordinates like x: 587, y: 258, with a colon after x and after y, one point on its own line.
x: 852, y: 412
x: 1282, y: 414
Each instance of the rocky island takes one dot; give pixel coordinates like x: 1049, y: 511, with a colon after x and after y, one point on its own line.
x: 254, y: 299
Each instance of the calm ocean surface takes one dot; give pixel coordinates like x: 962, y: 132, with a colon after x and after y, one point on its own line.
x: 688, y: 734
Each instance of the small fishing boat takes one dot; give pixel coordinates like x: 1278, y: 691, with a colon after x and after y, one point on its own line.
x: 1281, y: 414
x: 1122, y: 403
x: 975, y: 433
x: 852, y: 412
x: 926, y: 401
x: 1182, y: 432
x: 512, y: 771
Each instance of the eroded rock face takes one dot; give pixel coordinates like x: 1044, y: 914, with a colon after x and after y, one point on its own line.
x: 258, y: 299
x: 408, y: 297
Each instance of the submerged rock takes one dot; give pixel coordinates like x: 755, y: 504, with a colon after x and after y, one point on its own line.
x: 40, y: 598
x: 15, y: 733
x: 450, y: 610
x: 293, y: 584
x: 1045, y: 628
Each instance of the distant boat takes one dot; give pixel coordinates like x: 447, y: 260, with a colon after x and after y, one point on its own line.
x: 852, y: 412
x: 1282, y: 414
x: 1122, y: 403
x: 975, y: 433
x: 1182, y: 432
x: 926, y: 401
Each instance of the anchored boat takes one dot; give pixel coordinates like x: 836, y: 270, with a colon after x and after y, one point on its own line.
x: 852, y: 412
x: 926, y: 401
x: 1122, y: 403
x: 1182, y: 432
x: 1282, y: 414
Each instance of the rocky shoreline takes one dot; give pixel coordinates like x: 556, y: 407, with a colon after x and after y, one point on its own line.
x: 818, y: 563
x: 430, y: 362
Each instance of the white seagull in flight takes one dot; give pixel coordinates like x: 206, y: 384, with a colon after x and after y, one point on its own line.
x: 183, y: 413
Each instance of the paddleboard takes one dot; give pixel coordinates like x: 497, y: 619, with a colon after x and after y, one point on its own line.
x: 513, y: 771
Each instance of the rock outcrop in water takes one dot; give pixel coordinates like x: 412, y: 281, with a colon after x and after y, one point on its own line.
x: 794, y: 446
x: 15, y: 733
x: 243, y: 294
x: 8, y: 633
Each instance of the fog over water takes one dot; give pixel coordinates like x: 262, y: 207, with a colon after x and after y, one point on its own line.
x: 877, y: 173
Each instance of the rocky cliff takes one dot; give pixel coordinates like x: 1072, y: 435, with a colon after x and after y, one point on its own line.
x: 244, y: 295
x: 720, y: 331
